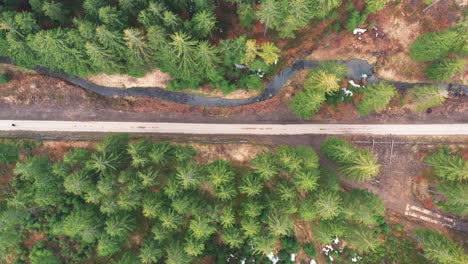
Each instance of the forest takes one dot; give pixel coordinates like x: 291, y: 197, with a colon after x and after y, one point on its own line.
x: 184, y: 38
x: 128, y: 201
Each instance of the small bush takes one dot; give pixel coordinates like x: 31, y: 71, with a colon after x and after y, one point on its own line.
x: 375, y: 5
x: 251, y: 82
x: 444, y: 70
x: 310, y: 250
x: 4, y: 78
x: 354, y: 20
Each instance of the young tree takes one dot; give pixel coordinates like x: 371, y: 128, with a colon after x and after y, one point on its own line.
x: 455, y: 197
x: 233, y: 238
x: 77, y: 183
x: 111, y: 17
x: 82, y: 223
x: 376, y: 97
x: 55, y: 11
x: 119, y: 225
x: 206, y: 57
x: 184, y: 50
x: 363, y: 207
x: 440, y: 249
x: 91, y: 8
x: 433, y: 45
x: 450, y: 167
x: 444, y: 69
x: 203, y: 23
x: 328, y: 205
x: 421, y: 98
x: 362, y: 167
x: 269, y: 53
x: 263, y: 245
x: 279, y: 223
x: 322, y: 81
x: 251, y: 185
x: 194, y: 247
x: 362, y: 239
x: 201, y: 228
x: 188, y: 176
x: 325, y: 231
x: 270, y: 14
x: 307, y: 180
x: 150, y: 253
x: 356, y: 164
x: 264, y: 165
x: 307, y: 103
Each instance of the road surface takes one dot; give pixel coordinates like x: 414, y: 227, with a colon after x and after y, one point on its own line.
x: 236, y: 129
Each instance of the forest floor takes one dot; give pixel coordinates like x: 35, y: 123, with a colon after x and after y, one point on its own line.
x: 37, y: 97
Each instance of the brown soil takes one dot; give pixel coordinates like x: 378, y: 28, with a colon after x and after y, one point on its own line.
x: 33, y: 239
x: 236, y: 153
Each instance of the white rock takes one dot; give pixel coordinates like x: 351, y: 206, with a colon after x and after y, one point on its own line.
x: 293, y: 257
x: 354, y: 84
x: 272, y: 258
x: 359, y: 31
x: 354, y: 259
x: 312, y: 261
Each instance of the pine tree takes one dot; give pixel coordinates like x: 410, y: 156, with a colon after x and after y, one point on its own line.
x: 307, y: 103
x: 444, y: 69
x: 206, y: 57
x: 203, y: 23
x: 450, y: 167
x: 119, y: 225
x: 184, y: 50
x: 269, y: 14
x: 328, y: 205
x: 433, y: 45
x: 150, y: 253
x: 269, y: 53
x: 362, y: 239
x: 251, y: 185
x: 439, y: 248
x: 55, y: 11
x: 376, y: 97
x: 422, y: 98
x: 264, y: 165
x: 322, y: 81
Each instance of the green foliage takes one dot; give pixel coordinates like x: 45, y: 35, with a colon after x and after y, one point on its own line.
x: 323, y: 80
x: 439, y: 248
x: 306, y: 104
x: 4, y: 78
x: 444, y: 69
x: 376, y: 97
x: 449, y: 167
x: 456, y: 197
x: 362, y: 239
x: 361, y: 206
x: 42, y: 256
x: 157, y: 193
x: 421, y: 98
x: 433, y: 45
x: 375, y: 5
x: 8, y: 153
x: 356, y: 164
x: 355, y: 19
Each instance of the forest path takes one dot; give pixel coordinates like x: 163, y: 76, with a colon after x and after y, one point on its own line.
x: 236, y: 129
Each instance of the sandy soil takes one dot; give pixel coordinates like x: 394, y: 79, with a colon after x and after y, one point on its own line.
x: 236, y: 153
x: 155, y: 78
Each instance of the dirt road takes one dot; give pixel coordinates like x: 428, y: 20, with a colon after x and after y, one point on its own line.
x: 236, y: 129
